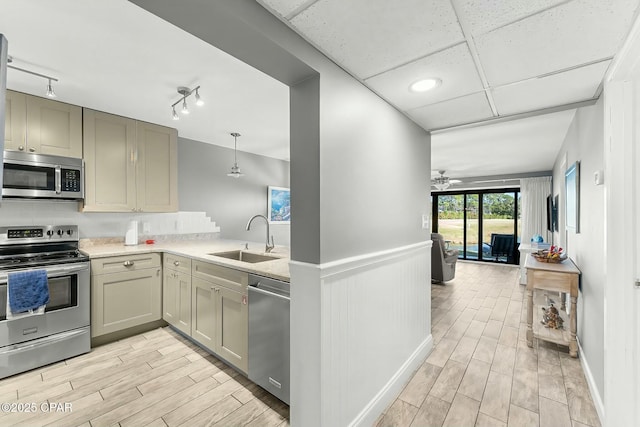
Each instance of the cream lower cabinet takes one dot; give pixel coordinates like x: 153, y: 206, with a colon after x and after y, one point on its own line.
x: 126, y: 292
x: 42, y: 126
x: 219, y: 311
x: 130, y: 166
x: 176, y: 292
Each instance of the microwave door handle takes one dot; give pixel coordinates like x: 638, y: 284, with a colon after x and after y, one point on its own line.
x: 58, y: 179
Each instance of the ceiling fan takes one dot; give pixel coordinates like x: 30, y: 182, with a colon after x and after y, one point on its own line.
x: 443, y: 182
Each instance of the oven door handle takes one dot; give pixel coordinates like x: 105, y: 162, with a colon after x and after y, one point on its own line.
x: 55, y: 271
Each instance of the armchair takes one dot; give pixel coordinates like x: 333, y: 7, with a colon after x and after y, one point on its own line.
x: 443, y: 261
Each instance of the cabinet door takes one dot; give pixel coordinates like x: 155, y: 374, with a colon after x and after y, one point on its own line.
x: 170, y: 297
x: 203, y: 313
x: 123, y: 300
x: 15, y: 121
x: 176, y: 297
x: 110, y: 173
x: 54, y: 127
x: 233, y: 321
x: 157, y: 168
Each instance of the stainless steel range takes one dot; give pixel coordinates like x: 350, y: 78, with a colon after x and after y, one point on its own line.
x: 63, y: 330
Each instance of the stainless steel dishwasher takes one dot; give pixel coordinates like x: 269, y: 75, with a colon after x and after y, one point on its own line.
x: 269, y: 335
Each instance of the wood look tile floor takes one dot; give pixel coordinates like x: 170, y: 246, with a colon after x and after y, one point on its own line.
x: 155, y: 379
x: 481, y: 371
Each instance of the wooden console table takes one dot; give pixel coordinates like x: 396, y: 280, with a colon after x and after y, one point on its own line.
x: 562, y: 278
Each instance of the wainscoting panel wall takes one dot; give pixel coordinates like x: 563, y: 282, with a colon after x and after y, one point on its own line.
x: 359, y: 328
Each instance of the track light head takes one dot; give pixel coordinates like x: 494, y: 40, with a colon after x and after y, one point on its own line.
x: 175, y: 115
x: 185, y: 109
x: 50, y: 92
x: 199, y: 101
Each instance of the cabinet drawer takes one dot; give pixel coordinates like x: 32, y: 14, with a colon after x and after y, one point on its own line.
x: 223, y: 276
x: 177, y: 263
x: 117, y: 264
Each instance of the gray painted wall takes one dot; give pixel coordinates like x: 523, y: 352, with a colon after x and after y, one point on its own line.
x: 203, y: 185
x: 374, y: 163
x: 585, y: 143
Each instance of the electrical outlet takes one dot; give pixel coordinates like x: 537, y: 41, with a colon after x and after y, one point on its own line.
x: 146, y: 227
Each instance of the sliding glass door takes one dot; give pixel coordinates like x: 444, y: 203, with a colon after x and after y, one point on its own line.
x: 482, y: 225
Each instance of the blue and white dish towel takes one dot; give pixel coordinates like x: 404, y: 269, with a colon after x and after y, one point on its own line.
x: 27, y: 293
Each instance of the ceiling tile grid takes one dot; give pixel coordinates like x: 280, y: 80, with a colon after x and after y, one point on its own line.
x: 368, y: 37
x: 576, y: 85
x: 575, y: 33
x: 453, y: 112
x: 284, y: 7
x: 454, y: 66
x: 482, y: 16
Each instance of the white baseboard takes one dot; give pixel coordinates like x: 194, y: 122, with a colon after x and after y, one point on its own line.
x: 394, y: 387
x: 595, y: 393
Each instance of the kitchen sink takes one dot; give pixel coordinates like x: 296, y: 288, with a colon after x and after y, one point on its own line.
x: 245, y: 256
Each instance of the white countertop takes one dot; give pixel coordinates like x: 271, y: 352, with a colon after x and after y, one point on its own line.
x: 199, y: 250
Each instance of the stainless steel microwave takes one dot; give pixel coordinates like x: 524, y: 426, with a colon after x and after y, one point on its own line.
x: 35, y: 176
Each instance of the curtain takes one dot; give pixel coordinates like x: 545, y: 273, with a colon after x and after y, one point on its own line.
x: 534, y: 192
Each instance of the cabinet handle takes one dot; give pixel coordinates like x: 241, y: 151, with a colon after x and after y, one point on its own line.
x: 33, y: 150
x: 176, y: 263
x: 128, y: 263
x: 214, y: 289
x: 21, y: 148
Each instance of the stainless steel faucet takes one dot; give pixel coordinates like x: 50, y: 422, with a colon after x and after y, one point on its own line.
x: 268, y: 247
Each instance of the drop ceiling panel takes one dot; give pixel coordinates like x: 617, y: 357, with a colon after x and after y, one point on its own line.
x: 575, y: 33
x: 572, y: 86
x: 482, y: 16
x: 516, y: 146
x: 371, y: 36
x: 454, y: 66
x: 284, y: 7
x: 457, y: 111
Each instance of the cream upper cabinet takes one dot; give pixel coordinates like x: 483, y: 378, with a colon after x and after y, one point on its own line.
x: 157, y: 168
x: 15, y: 121
x: 130, y: 166
x: 42, y: 126
x: 110, y: 171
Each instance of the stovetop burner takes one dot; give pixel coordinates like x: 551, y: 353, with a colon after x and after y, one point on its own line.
x: 34, y: 246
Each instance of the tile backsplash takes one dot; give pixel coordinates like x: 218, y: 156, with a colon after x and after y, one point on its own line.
x: 92, y: 225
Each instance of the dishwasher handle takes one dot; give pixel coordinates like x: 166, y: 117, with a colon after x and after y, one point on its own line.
x: 255, y: 288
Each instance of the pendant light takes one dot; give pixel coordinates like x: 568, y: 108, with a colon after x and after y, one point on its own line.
x: 235, y: 169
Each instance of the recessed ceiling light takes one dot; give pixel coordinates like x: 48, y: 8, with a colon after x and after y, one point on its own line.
x: 425, y: 84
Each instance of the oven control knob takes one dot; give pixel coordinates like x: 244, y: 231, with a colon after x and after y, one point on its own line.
x: 49, y: 233
x: 60, y: 232
x: 69, y: 232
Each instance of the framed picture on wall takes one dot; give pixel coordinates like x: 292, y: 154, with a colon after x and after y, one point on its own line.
x: 572, y: 208
x: 279, y: 205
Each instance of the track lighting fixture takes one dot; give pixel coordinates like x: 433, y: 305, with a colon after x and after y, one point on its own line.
x: 199, y: 101
x: 50, y: 92
x: 235, y: 169
x: 185, y: 92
